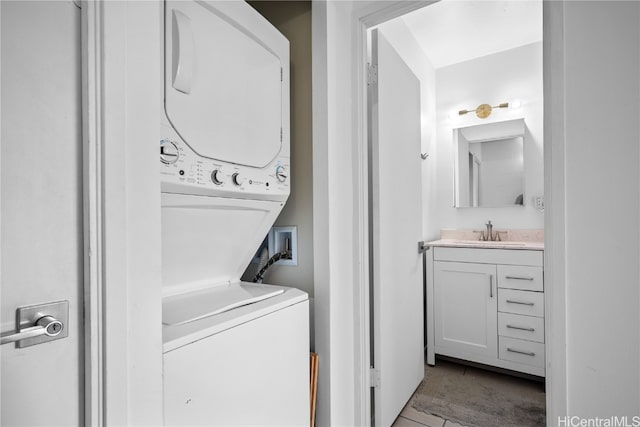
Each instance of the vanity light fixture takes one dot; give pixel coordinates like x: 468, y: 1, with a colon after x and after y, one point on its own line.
x: 484, y: 110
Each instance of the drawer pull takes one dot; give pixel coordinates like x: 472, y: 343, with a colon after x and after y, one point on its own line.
x: 526, y: 353
x: 520, y: 302
x: 520, y: 328
x: 519, y: 278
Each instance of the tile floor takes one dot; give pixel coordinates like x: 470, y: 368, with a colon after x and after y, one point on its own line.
x: 409, y: 417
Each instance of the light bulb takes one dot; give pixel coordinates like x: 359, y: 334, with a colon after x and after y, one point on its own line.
x: 514, y: 104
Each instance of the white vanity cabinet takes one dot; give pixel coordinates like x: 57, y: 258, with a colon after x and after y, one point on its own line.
x: 466, y: 302
x: 486, y: 305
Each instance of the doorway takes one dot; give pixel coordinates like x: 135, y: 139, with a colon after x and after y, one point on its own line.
x: 460, y: 74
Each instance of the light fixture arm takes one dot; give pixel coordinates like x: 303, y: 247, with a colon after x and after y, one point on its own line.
x: 484, y: 110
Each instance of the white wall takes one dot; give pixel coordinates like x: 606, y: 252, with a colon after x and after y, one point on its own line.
x: 602, y: 213
x: 493, y: 79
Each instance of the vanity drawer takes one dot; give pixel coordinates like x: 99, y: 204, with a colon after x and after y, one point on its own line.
x: 521, y: 302
x: 521, y: 351
x: 522, y: 327
x: 520, y: 277
x: 489, y: 256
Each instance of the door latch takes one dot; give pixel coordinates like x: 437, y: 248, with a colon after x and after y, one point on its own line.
x: 40, y: 323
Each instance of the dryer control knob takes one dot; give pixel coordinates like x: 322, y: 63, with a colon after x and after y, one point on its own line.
x: 168, y: 152
x: 237, y: 178
x: 216, y: 177
x: 281, y: 173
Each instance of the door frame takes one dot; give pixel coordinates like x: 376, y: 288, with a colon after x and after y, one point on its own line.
x: 121, y: 103
x: 555, y: 300
x: 94, y: 357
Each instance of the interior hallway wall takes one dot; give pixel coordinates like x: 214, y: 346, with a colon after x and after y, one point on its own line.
x: 493, y: 79
x: 293, y: 20
x: 601, y: 207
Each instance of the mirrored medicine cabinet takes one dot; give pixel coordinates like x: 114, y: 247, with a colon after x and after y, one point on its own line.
x: 489, y: 164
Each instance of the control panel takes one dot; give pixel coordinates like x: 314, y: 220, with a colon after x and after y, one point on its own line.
x: 185, y: 172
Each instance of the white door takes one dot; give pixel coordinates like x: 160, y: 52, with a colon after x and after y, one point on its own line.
x: 41, y: 208
x: 466, y: 306
x: 396, y: 199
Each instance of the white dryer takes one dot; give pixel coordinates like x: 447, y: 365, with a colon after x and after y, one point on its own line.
x: 234, y: 353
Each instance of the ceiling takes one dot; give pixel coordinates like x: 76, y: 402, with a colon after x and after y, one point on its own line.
x: 453, y: 31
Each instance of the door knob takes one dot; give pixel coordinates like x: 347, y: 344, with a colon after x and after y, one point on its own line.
x: 46, y: 325
x: 34, y: 327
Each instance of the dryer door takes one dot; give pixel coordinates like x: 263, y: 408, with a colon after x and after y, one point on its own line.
x: 224, y: 80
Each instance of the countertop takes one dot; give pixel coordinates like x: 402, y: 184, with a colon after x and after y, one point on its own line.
x: 461, y: 243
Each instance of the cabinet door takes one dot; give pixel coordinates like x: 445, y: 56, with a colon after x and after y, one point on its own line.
x: 466, y: 319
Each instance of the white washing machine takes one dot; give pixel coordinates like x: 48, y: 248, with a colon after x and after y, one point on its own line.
x: 234, y: 353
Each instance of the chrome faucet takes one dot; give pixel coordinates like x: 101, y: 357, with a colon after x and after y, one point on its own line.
x: 489, y: 230
x: 488, y: 235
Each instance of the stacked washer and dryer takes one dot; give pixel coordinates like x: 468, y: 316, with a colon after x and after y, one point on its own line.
x: 235, y: 353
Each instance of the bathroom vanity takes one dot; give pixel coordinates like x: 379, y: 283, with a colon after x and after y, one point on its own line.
x: 485, y: 303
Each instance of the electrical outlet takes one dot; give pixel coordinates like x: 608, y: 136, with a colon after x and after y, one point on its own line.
x: 279, y: 238
x: 538, y: 202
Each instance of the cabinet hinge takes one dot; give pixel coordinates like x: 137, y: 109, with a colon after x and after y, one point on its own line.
x: 281, y: 74
x: 280, y: 134
x: 372, y: 74
x: 374, y: 378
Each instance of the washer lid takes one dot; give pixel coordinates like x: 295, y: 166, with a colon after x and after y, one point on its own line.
x: 209, y: 241
x: 224, y: 70
x: 185, y: 308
